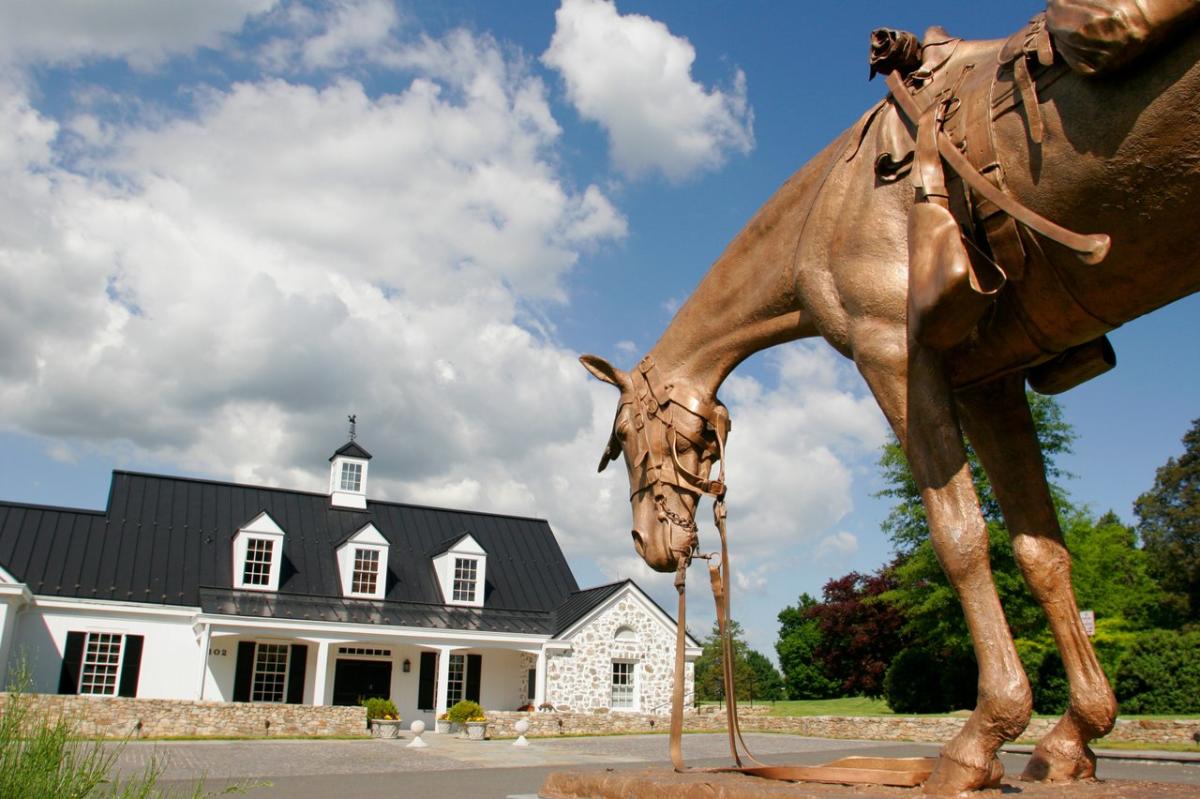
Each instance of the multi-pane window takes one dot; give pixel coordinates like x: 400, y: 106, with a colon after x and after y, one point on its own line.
x: 257, y: 569
x: 366, y: 571
x: 465, y: 571
x: 622, y: 684
x: 101, y: 664
x: 351, y: 476
x: 270, y: 673
x: 456, y: 679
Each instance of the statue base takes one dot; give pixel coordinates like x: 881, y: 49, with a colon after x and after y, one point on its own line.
x: 663, y: 783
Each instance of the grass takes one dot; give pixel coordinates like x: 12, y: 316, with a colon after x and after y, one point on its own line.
x: 844, y: 706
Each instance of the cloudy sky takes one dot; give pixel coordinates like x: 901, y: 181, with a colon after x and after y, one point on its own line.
x: 227, y: 224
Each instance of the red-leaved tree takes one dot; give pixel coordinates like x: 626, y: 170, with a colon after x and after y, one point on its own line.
x: 860, y: 634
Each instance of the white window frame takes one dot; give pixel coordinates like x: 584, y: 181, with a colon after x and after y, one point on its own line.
x: 351, y: 477
x: 634, y: 700
x: 365, y: 570
x: 287, y: 664
x: 464, y: 596
x: 84, y: 663
x: 258, y: 576
x: 461, y: 680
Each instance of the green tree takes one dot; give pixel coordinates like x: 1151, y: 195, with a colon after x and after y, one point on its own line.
x: 767, y: 683
x: 1112, y: 576
x: 907, y: 525
x: 709, y: 666
x: 1169, y: 523
x: 797, y: 645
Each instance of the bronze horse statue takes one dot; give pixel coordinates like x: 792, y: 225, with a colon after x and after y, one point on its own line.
x: 828, y: 255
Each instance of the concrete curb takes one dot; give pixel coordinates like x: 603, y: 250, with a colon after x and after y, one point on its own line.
x: 1155, y: 755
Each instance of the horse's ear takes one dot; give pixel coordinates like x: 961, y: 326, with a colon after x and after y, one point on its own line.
x: 603, y: 370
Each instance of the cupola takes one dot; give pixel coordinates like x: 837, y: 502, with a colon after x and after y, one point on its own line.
x: 348, y: 474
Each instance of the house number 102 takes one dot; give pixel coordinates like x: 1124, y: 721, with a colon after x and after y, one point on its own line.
x: 218, y: 652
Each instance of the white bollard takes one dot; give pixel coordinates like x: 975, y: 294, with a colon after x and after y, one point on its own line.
x: 521, y: 727
x: 417, y: 728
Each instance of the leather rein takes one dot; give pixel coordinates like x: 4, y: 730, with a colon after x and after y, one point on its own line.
x: 655, y: 405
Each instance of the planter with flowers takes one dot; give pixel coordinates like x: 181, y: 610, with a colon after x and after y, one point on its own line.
x: 382, y: 718
x: 470, y: 715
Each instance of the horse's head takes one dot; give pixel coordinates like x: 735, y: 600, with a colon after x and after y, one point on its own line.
x: 670, y: 436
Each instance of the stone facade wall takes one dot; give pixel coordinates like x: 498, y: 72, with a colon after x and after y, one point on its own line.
x: 581, y: 679
x: 118, y: 717
x: 881, y: 728
x: 528, y: 661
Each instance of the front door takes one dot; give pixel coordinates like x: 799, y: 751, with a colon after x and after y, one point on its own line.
x: 356, y: 680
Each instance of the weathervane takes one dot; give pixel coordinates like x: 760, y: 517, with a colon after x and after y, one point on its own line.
x: 353, y: 420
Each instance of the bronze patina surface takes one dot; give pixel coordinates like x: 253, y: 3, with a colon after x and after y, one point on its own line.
x: 1114, y: 154
x: 665, y: 784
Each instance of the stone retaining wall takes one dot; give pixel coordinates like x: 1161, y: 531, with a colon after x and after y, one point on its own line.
x: 879, y: 728
x: 118, y: 717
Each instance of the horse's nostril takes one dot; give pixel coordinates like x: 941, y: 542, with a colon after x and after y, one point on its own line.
x: 638, y: 544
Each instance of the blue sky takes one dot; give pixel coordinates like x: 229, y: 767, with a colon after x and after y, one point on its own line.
x: 226, y: 225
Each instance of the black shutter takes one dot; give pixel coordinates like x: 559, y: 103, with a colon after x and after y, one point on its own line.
x: 131, y: 665
x: 68, y: 678
x: 426, y: 681
x: 298, y: 663
x: 532, y: 685
x: 474, y: 667
x: 245, y: 671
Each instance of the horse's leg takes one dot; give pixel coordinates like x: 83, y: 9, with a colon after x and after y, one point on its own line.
x: 997, y: 419
x: 911, y: 388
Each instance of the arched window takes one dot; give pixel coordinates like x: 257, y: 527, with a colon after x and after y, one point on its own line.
x: 625, y: 633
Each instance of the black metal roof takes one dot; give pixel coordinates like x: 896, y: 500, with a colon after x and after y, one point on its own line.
x: 580, y: 603
x: 161, y: 538
x: 351, y: 449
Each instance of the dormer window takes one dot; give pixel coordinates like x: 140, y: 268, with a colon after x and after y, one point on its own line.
x: 466, y: 572
x: 258, y: 554
x: 461, y: 568
x: 362, y: 562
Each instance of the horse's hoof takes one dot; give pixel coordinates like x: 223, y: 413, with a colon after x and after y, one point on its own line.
x: 952, y: 778
x: 1060, y: 761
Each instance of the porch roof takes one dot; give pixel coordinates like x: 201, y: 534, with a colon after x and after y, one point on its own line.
x: 328, y: 609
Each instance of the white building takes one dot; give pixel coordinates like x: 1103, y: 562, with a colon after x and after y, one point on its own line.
x: 194, y: 589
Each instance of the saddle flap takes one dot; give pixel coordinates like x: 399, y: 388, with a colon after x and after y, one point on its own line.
x: 945, y: 296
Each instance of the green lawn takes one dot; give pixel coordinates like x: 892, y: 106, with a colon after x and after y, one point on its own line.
x: 846, y: 706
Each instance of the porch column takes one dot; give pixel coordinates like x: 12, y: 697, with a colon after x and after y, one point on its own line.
x: 539, y: 688
x: 321, y: 674
x: 442, y: 680
x: 205, y: 643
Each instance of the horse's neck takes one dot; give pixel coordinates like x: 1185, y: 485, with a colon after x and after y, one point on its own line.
x: 746, y: 303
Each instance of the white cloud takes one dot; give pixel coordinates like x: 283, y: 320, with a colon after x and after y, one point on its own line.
x: 632, y: 76
x: 837, y: 545
x: 219, y: 288
x: 143, y: 32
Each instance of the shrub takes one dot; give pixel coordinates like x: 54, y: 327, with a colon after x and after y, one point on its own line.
x: 1051, y: 691
x: 465, y: 711
x: 380, y: 708
x: 1161, y: 674
x: 913, y: 684
x: 920, y: 681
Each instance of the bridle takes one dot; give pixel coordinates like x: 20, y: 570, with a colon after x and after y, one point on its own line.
x: 653, y: 407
